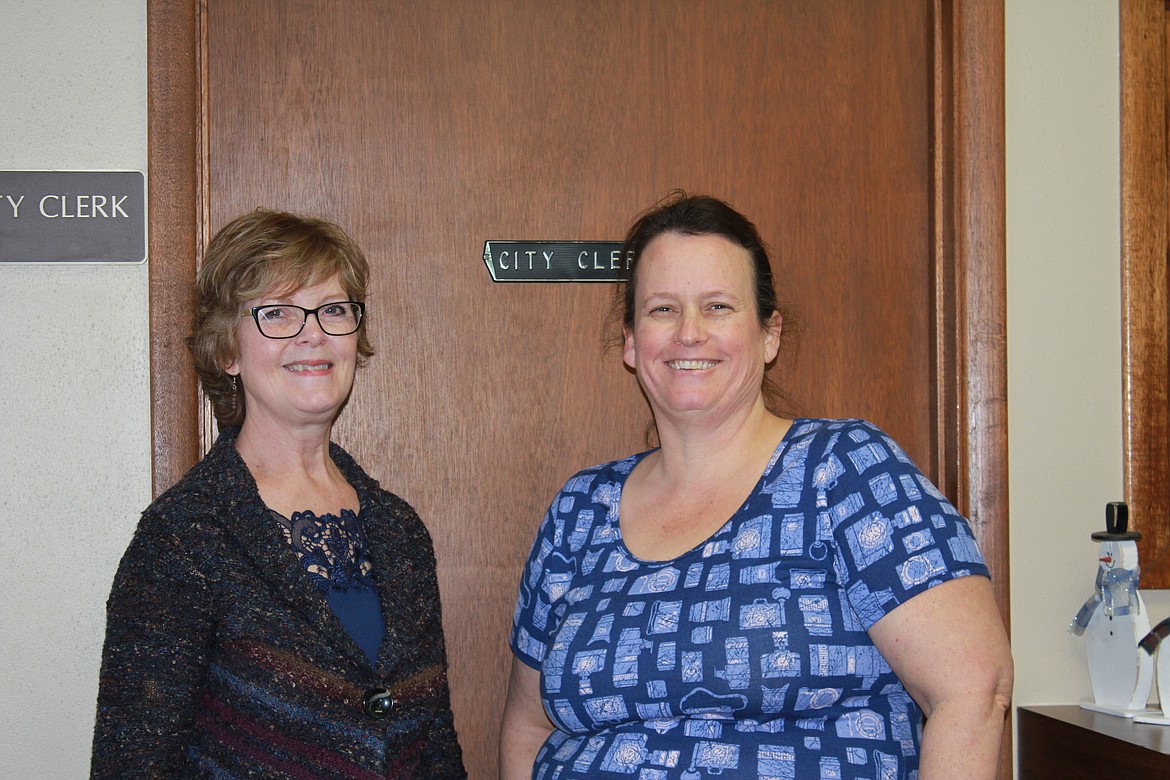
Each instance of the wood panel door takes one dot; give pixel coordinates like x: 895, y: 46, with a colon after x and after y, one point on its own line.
x: 429, y: 127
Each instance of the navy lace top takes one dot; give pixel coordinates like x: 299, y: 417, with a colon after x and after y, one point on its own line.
x: 333, y: 552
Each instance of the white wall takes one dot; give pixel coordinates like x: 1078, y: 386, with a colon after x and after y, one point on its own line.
x: 74, y: 414
x: 74, y: 468
x: 1064, y: 332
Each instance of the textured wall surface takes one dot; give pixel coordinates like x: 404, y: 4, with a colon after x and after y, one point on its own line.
x: 1064, y: 328
x: 74, y: 416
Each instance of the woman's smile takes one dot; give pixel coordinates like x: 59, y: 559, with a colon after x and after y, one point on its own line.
x: 691, y: 365
x: 317, y: 367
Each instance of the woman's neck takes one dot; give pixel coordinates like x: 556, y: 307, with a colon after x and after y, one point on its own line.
x: 679, y: 495
x: 688, y: 451
x: 271, y: 449
x: 293, y: 469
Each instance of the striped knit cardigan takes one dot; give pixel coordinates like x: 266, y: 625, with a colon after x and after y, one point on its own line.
x: 222, y: 661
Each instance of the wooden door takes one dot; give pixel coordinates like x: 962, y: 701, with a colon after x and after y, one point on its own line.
x: 427, y: 128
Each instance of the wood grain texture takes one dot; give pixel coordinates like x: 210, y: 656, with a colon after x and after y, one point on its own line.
x: 1068, y: 743
x: 980, y: 310
x: 1144, y: 231
x: 980, y: 299
x: 845, y: 130
x: 175, y: 102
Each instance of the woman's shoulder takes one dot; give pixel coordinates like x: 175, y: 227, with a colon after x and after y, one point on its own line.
x: 804, y: 426
x: 185, y: 522
x: 219, y: 477
x: 850, y: 446
x: 193, y: 513
x: 827, y: 441
x: 613, y: 471
x: 836, y: 433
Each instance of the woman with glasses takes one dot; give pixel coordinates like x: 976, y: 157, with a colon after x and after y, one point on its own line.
x: 277, y: 613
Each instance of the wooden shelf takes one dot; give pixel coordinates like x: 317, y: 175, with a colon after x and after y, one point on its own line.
x: 1066, y: 742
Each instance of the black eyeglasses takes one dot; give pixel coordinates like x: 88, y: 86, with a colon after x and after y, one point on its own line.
x: 284, y: 320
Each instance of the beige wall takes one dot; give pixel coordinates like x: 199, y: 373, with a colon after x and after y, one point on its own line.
x: 74, y: 468
x: 1064, y: 335
x: 74, y: 418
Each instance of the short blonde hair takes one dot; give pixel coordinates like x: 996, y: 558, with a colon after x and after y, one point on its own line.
x: 264, y: 253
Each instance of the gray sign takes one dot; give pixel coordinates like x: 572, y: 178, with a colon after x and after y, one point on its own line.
x: 72, y: 217
x: 555, y: 261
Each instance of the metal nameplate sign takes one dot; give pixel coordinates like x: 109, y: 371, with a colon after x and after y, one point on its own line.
x: 72, y: 217
x: 555, y: 261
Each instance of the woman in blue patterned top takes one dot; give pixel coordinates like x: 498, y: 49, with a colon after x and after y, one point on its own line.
x: 759, y: 597
x: 276, y: 614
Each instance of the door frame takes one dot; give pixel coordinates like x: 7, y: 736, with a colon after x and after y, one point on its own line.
x: 968, y: 239
x: 1145, y: 310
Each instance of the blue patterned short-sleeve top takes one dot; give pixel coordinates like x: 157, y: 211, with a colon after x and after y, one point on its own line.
x: 748, y: 656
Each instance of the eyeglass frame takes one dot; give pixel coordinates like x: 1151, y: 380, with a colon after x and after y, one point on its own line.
x: 255, y: 313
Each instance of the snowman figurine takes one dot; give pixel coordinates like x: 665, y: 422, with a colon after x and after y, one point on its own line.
x: 1113, y: 621
x: 1153, y: 644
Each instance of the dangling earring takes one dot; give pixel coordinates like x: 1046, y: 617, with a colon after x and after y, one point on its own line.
x: 235, y: 384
